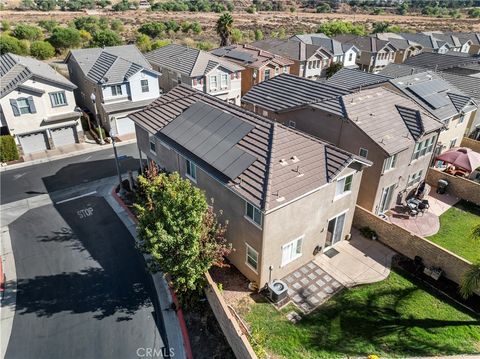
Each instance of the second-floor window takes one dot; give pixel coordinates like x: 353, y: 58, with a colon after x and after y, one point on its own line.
x: 21, y: 106
x: 285, y: 69
x: 251, y: 257
x: 363, y: 152
x: 423, y: 147
x: 461, y: 119
x: 191, y: 170
x: 153, y: 146
x: 350, y: 57
x: 58, y: 99
x: 453, y: 143
x: 414, y: 178
x: 213, y: 82
x: 144, y: 84
x: 344, y: 185
x: 390, y: 163
x: 253, y: 213
x: 116, y: 90
x: 223, y: 81
x: 266, y: 74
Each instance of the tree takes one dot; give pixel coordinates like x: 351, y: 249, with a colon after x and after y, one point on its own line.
x: 87, y: 23
x: 13, y: 45
x: 237, y: 36
x: 196, y: 27
x: 402, y: 9
x: 178, y: 230
x: 160, y: 43
x: 322, y: 8
x: 153, y: 29
x: 27, y: 32
x: 8, y: 149
x: 224, y: 28
x: 258, y: 35
x: 470, y: 281
x: 103, y: 3
x: 144, y: 43
x: 46, y: 5
x: 104, y: 38
x: 333, y: 28
x: 5, y: 25
x: 42, y: 50
x: 65, y: 38
x: 27, y: 5
x: 333, y: 69
x: 117, y: 25
x: 48, y: 25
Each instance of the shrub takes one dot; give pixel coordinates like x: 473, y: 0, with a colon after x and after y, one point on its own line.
x: 8, y: 149
x: 153, y: 29
x: 160, y: 43
x: 475, y: 12
x: 13, y: 45
x: 116, y: 25
x: 205, y: 45
x: 258, y: 35
x: 196, y: 27
x: 144, y: 43
x: 322, y: 8
x: 236, y: 36
x: 42, y: 50
x: 46, y: 5
x: 65, y: 38
x: 104, y: 38
x: 333, y: 28
x: 5, y: 25
x: 27, y: 32
x: 48, y: 25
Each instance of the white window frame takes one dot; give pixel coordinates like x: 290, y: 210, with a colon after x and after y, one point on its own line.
x: 247, y: 248
x: 292, y: 124
x: 213, y: 79
x: 342, y: 183
x: 116, y: 90
x: 390, y: 163
x: 265, y: 72
x: 56, y: 96
x: 294, y: 252
x: 363, y: 150
x: 223, y: 84
x: 284, y: 69
x: 190, y: 170
x: 27, y: 106
x: 453, y: 142
x: 253, y: 218
x: 151, y: 141
x: 461, y: 119
x: 145, y: 87
x: 414, y: 178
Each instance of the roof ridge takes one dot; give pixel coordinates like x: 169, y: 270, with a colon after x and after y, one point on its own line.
x: 269, y: 165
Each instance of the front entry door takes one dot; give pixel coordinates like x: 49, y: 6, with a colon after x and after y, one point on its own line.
x: 335, y: 230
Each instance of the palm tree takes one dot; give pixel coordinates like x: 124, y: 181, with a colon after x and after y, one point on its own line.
x: 470, y: 281
x: 224, y: 28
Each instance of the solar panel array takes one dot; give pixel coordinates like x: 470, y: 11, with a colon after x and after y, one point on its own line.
x: 433, y: 92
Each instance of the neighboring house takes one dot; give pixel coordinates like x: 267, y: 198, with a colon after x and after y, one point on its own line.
x: 37, y: 105
x: 442, y: 100
x: 455, y: 43
x: 353, y: 80
x: 430, y: 43
x: 345, y: 54
x: 259, y: 65
x: 310, y: 61
x: 448, y: 63
x: 387, y: 128
x: 405, y: 48
x: 120, y: 79
x: 198, y: 69
x: 375, y: 54
x: 474, y: 48
x: 286, y: 195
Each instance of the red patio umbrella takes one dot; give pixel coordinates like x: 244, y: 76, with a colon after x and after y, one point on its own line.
x: 461, y: 157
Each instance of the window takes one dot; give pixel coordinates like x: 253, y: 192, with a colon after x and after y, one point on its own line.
x: 213, y: 82
x: 58, y: 99
x: 292, y: 251
x: 453, y: 142
x: 116, y: 90
x: 292, y: 124
x: 23, y: 106
x: 390, y: 163
x: 350, y: 57
x: 285, y: 69
x: 153, y: 146
x: 363, y: 152
x: 309, y: 64
x: 252, y: 258
x: 144, y: 84
x: 424, y: 147
x: 223, y: 80
x: 191, y: 170
x: 253, y: 213
x: 461, y: 119
x: 276, y: 70
x: 266, y: 74
x: 414, y: 179
x: 344, y: 185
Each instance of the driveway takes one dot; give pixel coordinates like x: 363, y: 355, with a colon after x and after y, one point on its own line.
x: 82, y: 289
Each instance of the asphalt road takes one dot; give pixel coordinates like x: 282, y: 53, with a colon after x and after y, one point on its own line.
x: 82, y: 288
x: 60, y: 174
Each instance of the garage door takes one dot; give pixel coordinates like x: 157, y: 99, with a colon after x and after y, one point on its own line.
x: 33, y: 142
x: 125, y: 126
x: 63, y: 136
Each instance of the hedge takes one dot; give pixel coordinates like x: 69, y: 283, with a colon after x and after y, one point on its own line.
x: 8, y: 149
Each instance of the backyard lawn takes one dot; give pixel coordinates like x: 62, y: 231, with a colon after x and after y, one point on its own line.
x: 456, y: 226
x: 394, y: 318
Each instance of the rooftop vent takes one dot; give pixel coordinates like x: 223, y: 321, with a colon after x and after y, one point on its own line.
x: 283, y: 162
x: 294, y: 159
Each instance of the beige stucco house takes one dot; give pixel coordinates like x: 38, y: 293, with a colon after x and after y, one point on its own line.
x: 286, y: 196
x: 37, y: 105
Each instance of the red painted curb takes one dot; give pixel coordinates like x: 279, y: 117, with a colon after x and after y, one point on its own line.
x: 181, y: 319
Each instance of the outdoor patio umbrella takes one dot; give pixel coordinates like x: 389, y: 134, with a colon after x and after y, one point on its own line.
x: 461, y: 157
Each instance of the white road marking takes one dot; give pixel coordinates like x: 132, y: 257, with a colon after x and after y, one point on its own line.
x: 76, y: 197
x: 85, y: 212
x: 86, y: 159
x: 19, y: 175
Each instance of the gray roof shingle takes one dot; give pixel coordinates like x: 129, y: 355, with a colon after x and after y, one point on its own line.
x: 294, y: 50
x: 352, y: 79
x: 334, y: 46
x: 440, y: 62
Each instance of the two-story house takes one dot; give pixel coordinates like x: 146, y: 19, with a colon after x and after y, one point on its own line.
x: 198, y: 69
x: 454, y: 42
x: 37, y: 105
x: 259, y: 65
x: 111, y: 83
x: 345, y: 54
x: 375, y: 54
x: 429, y: 42
x: 378, y: 124
x: 286, y: 195
x: 473, y: 37
x: 443, y: 101
x: 405, y: 48
x: 310, y: 61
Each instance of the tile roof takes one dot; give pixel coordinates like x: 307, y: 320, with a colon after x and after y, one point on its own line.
x: 123, y: 106
x: 250, y: 56
x: 469, y: 85
x: 110, y: 65
x: 427, y: 41
x: 285, y: 92
x: 188, y: 61
x: 352, y: 79
x: 334, y: 46
x: 363, y: 43
x: 294, y: 50
x: 15, y: 70
x: 288, y: 163
x: 398, y: 70
x: 439, y: 62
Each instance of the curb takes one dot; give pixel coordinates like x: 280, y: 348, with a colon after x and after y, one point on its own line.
x: 59, y: 157
x: 181, y: 319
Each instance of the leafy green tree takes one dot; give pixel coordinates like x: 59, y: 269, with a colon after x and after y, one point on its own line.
x: 333, y: 69
x: 196, y: 27
x: 224, y: 28
x: 153, y: 29
x: 470, y: 281
x: 13, y: 45
x: 333, y: 28
x: 178, y: 231
x: 103, y: 3
x: 65, y: 38
x: 48, y: 25
x: 87, y: 23
x: 144, y: 43
x: 402, y: 9
x: 205, y: 45
x: 104, y: 38
x: 5, y: 25
x: 42, y: 50
x: 27, y: 32
x: 258, y: 35
x: 172, y: 25
x: 185, y: 26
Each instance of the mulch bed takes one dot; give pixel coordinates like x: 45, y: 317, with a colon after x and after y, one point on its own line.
x: 444, y: 285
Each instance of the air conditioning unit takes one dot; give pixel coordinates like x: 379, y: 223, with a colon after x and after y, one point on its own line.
x: 278, y: 290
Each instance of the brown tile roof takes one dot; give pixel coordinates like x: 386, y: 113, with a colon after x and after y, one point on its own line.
x: 250, y: 56
x: 288, y: 163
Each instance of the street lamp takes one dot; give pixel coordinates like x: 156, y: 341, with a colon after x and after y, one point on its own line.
x: 113, y: 133
x: 100, y: 134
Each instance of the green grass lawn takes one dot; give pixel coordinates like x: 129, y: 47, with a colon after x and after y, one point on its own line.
x: 394, y: 317
x: 456, y: 226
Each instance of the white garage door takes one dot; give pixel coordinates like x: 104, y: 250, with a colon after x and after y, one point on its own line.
x: 33, y: 142
x: 125, y: 126
x: 63, y: 136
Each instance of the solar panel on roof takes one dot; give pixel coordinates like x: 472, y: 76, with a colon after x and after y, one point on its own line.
x: 212, y: 135
x: 437, y: 100
x: 428, y: 87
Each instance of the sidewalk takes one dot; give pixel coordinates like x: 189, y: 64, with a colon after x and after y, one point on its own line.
x: 62, y: 152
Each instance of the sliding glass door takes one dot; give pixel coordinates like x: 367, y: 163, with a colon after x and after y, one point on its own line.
x: 335, y: 230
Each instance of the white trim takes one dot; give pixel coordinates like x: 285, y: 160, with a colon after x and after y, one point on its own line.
x: 193, y: 179
x: 302, y: 237
x: 344, y: 193
x: 338, y: 214
x: 246, y: 257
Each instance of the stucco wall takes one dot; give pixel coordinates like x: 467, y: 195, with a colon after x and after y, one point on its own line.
x: 136, y: 86
x: 471, y: 143
x: 458, y: 186
x: 454, y: 131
